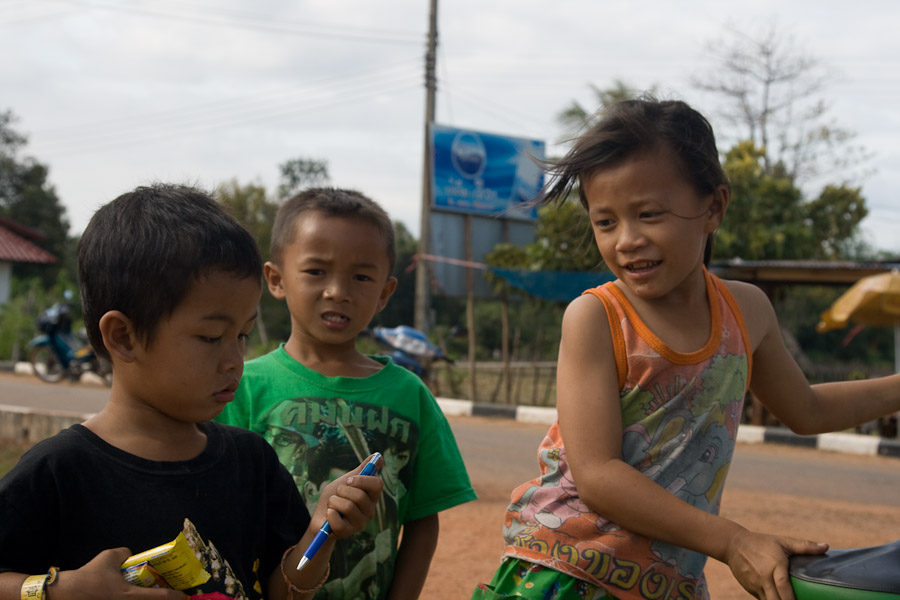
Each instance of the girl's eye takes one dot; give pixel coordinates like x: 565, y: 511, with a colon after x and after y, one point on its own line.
x: 603, y: 223
x: 210, y: 340
x: 652, y: 214
x: 243, y: 337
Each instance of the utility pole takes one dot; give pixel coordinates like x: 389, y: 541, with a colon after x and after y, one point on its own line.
x: 422, y: 291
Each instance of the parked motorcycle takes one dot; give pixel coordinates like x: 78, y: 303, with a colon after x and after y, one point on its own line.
x: 410, y: 349
x: 856, y: 574
x: 57, y: 353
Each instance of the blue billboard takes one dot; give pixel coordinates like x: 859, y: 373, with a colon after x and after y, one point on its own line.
x: 484, y: 173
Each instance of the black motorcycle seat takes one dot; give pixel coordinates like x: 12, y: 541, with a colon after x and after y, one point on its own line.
x: 875, y: 569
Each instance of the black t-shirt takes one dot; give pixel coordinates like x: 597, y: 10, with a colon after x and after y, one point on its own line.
x: 73, y: 496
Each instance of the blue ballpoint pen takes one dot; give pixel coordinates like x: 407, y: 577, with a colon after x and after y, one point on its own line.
x: 325, y: 530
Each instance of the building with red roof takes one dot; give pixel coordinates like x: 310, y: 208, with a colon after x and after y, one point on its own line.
x: 17, y: 246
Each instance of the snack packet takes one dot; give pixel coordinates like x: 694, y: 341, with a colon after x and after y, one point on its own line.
x: 171, y: 565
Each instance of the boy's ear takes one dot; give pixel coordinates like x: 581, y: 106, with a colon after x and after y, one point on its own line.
x: 118, y: 335
x: 717, y: 209
x: 390, y: 286
x: 274, y: 279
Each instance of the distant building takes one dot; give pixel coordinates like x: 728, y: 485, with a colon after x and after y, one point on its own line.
x: 16, y: 246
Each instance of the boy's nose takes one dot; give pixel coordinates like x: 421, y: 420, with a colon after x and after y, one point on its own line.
x: 336, y: 291
x: 234, y: 357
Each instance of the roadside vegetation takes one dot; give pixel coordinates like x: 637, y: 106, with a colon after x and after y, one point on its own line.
x: 797, y: 194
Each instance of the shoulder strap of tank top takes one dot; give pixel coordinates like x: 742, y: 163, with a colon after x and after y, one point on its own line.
x: 739, y: 317
x: 615, y: 329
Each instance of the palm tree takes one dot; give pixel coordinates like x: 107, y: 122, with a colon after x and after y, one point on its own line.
x: 576, y: 118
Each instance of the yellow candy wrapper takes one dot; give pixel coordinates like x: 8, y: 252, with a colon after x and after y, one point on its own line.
x: 171, y: 565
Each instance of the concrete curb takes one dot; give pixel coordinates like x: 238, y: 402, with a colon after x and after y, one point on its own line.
x: 31, y: 425
x: 848, y: 443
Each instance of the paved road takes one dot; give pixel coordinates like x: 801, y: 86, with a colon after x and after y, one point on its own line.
x: 18, y: 390
x: 504, y: 451
x: 850, y: 501
x: 508, y: 451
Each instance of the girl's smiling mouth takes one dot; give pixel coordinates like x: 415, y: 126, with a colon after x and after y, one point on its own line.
x: 639, y: 267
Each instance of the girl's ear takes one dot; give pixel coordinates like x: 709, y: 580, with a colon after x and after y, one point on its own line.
x: 720, y: 199
x: 274, y: 279
x: 118, y: 336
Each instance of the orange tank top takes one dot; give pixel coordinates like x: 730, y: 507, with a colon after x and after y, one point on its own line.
x: 680, y: 413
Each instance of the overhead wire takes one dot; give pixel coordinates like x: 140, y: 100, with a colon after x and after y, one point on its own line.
x: 313, y: 97
x: 140, y: 133
x: 340, y: 32
x: 255, y: 101
x: 17, y: 16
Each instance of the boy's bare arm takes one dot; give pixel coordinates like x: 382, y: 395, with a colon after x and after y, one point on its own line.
x: 100, y: 579
x: 417, y: 547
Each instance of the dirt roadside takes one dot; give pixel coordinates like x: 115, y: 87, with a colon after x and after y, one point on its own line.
x: 470, y: 541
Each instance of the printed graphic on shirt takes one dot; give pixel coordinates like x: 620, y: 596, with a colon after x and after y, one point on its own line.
x: 681, y: 437
x: 320, y: 439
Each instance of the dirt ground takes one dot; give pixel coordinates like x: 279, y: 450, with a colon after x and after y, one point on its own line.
x: 470, y: 541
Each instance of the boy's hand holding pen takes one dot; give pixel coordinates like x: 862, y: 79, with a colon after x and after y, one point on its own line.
x: 350, y: 503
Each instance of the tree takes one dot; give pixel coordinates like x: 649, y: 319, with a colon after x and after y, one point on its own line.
x: 299, y: 173
x: 252, y: 208
x: 27, y: 198
x: 769, y: 219
x: 576, y: 118
x: 771, y: 90
x: 251, y: 205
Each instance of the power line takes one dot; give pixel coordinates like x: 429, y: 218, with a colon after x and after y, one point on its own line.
x: 204, y: 8
x: 32, y: 13
x: 497, y: 111
x: 285, y: 27
x: 143, y: 134
x: 254, y: 101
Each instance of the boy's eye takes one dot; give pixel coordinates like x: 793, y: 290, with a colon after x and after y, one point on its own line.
x: 363, y: 277
x: 210, y: 340
x: 313, y: 271
x: 652, y: 214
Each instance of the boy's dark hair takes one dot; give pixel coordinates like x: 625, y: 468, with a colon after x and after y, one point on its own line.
x: 633, y: 127
x: 141, y: 252
x: 332, y: 202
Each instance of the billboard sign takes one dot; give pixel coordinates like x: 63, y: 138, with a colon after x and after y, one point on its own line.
x: 484, y: 173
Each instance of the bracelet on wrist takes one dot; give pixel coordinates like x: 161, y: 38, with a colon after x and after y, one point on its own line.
x: 293, y: 588
x: 35, y: 586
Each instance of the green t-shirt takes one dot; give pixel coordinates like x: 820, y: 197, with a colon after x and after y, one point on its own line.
x: 321, y: 427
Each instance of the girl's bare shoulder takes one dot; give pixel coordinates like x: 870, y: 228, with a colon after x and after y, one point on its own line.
x: 756, y: 308
x: 745, y: 292
x: 584, y: 310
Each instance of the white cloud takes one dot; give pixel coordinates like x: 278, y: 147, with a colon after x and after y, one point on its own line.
x: 114, y: 94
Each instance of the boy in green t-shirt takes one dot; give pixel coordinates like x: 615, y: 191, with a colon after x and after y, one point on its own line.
x: 323, y: 404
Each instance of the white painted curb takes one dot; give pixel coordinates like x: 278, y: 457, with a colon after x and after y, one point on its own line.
x: 848, y: 443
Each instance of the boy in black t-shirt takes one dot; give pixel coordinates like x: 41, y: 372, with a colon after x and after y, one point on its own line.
x: 170, y: 286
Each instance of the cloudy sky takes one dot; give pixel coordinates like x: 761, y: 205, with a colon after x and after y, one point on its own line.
x: 118, y: 93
